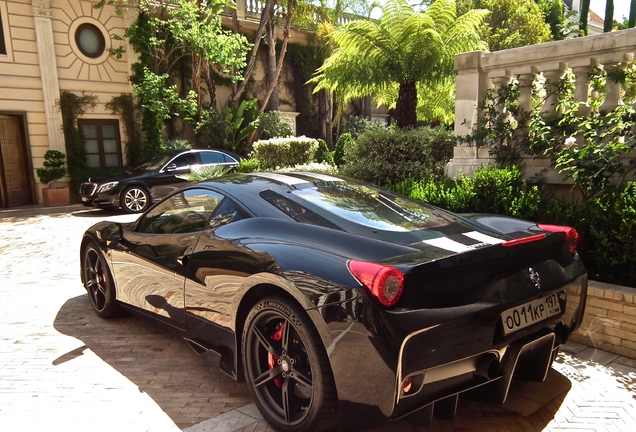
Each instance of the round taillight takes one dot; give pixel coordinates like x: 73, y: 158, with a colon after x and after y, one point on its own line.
x: 384, y: 283
x: 571, y: 235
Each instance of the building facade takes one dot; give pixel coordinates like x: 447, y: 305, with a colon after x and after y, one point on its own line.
x: 49, y: 46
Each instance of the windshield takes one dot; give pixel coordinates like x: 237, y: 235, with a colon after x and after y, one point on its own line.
x: 154, y: 163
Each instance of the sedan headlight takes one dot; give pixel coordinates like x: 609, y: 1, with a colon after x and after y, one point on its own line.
x: 107, y: 186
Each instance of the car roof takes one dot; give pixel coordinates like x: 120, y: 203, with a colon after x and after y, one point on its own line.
x: 247, y: 187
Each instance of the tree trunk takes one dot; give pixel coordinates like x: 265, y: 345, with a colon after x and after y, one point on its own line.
x: 609, y: 16
x: 406, y: 106
x: 585, y: 11
x: 272, y: 104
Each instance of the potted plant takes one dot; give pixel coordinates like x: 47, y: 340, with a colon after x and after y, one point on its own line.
x: 53, y: 170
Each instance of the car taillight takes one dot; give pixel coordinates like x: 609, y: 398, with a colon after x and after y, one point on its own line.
x: 571, y: 235
x: 385, y: 283
x: 522, y: 240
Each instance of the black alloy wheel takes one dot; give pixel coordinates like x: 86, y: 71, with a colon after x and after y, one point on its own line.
x: 287, y: 369
x: 134, y: 199
x: 99, y: 283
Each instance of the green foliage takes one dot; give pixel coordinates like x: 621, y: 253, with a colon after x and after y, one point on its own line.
x: 323, y: 155
x: 215, y: 132
x: 244, y: 121
x: 322, y: 168
x: 125, y: 107
x: 273, y: 125
x: 53, y: 169
x: 248, y: 166
x: 388, y: 57
x: 356, y: 126
x: 562, y: 23
x: 72, y: 106
x: 282, y: 152
x: 344, y: 142
x: 513, y: 23
x: 202, y: 173
x: 391, y: 156
x: 176, y: 144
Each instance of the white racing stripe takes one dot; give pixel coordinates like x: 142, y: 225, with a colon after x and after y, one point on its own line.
x: 288, y: 180
x: 454, y: 246
x: 483, y: 238
x: 322, y: 177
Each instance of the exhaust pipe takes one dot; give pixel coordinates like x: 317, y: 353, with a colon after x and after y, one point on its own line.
x: 488, y: 367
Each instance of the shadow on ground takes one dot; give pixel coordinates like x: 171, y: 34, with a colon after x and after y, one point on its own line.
x: 156, y: 360
x: 190, y: 390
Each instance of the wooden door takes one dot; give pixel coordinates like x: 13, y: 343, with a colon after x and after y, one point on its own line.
x: 15, y: 188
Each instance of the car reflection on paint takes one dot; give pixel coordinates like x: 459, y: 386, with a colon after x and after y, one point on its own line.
x: 342, y: 305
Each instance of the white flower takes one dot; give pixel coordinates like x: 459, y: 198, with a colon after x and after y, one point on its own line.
x: 569, y: 142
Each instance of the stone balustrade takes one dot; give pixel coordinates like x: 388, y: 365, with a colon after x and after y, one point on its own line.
x: 478, y: 71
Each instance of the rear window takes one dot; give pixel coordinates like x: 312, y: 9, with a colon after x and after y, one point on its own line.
x: 374, y: 208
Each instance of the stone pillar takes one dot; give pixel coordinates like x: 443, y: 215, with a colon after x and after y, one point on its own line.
x: 500, y: 79
x: 552, y: 74
x: 48, y: 73
x: 613, y: 88
x: 581, y: 70
x: 526, y: 79
x: 471, y: 88
x: 241, y: 6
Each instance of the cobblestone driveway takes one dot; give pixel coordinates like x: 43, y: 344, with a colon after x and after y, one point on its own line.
x: 64, y: 369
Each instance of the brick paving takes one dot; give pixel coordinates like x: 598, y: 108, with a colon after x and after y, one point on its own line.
x: 64, y: 369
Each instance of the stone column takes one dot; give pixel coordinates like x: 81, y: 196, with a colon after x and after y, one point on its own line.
x: 48, y: 73
x: 471, y: 88
x: 581, y: 70
x: 613, y: 88
x: 526, y: 79
x: 552, y: 74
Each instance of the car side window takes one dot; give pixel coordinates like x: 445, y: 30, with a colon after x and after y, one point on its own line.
x: 184, y: 212
x: 226, y: 213
x: 212, y: 157
x: 185, y: 160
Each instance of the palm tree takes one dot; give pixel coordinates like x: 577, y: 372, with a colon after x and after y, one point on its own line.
x: 402, y: 52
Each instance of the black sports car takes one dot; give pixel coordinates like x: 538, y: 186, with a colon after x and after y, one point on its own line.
x: 133, y: 191
x: 342, y: 304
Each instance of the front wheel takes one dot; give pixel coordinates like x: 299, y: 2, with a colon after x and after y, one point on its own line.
x: 99, y: 283
x: 134, y: 199
x: 287, y: 369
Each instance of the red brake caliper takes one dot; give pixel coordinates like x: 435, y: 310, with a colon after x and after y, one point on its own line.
x: 271, y: 360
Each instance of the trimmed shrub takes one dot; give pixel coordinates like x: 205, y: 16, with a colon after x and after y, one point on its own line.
x: 344, y: 141
x: 323, y: 155
x: 356, y: 126
x: 281, y: 152
x: 390, y: 156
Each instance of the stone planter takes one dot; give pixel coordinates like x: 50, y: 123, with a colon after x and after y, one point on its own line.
x: 56, y: 197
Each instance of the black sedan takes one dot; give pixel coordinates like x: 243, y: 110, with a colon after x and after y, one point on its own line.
x: 341, y: 304
x: 134, y: 191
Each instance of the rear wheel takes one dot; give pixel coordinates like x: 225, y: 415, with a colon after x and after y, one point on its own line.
x: 287, y: 369
x: 99, y: 283
x: 134, y: 199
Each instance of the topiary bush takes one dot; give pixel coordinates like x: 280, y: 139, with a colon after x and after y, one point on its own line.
x: 53, y: 169
x: 323, y: 155
x: 344, y: 141
x: 281, y: 152
x: 390, y: 156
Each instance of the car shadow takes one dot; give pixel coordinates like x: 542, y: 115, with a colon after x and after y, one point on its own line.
x: 156, y: 360
x: 89, y: 212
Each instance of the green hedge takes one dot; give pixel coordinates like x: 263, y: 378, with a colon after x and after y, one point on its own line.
x: 281, y: 152
x: 606, y: 225
x: 390, y: 156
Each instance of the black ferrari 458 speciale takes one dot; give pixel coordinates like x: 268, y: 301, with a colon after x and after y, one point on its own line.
x: 342, y: 304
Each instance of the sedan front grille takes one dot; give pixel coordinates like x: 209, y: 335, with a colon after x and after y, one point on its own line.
x: 87, y: 189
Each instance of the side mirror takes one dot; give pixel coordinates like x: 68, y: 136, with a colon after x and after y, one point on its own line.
x: 171, y: 167
x: 111, y: 232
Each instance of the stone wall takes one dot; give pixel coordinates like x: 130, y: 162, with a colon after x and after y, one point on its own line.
x: 609, y: 322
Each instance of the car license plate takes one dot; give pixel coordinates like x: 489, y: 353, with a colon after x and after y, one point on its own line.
x: 525, y: 315
x: 84, y: 199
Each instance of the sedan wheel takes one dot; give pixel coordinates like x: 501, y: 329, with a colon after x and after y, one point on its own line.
x: 135, y: 199
x: 99, y: 283
x: 287, y: 369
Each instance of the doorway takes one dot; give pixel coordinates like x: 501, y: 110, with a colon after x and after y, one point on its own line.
x: 15, y: 185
